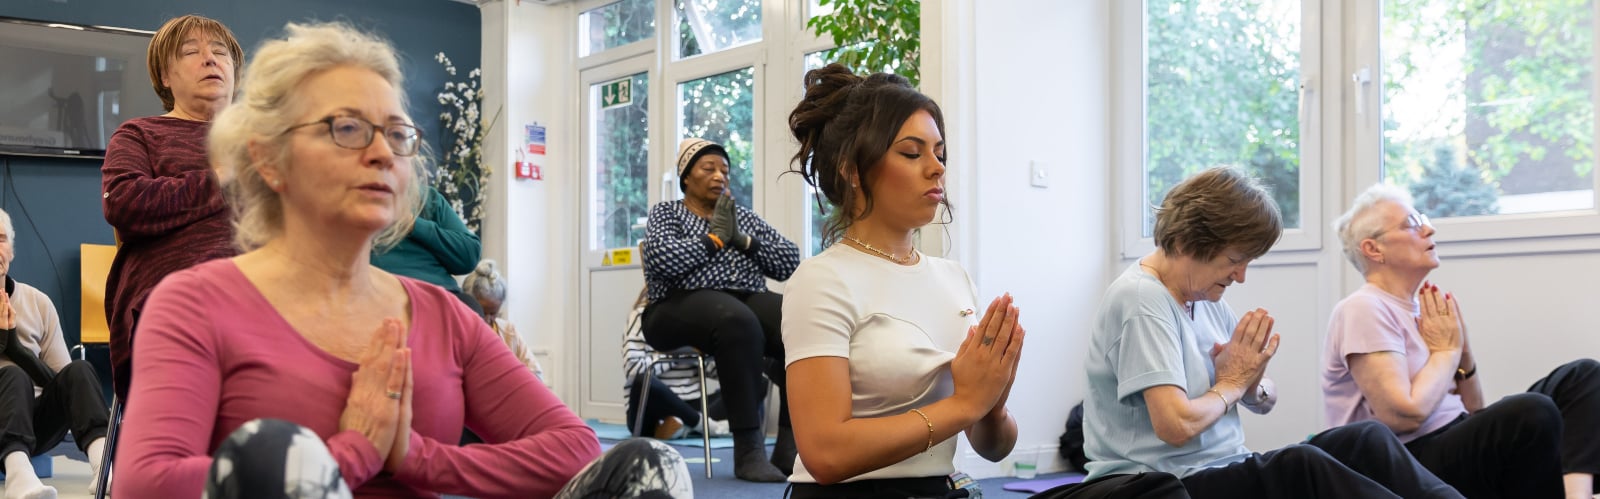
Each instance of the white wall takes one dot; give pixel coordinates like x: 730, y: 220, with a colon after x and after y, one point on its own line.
x: 530, y: 225
x: 1041, y: 90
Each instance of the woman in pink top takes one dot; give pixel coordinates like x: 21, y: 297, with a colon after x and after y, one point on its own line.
x: 299, y: 363
x: 1398, y: 353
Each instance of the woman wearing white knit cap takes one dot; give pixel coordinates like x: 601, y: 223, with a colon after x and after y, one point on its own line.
x: 706, y: 261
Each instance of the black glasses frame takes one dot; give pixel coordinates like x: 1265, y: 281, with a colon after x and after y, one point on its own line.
x: 412, y: 134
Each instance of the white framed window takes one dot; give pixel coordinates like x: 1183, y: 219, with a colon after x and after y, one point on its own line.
x: 731, y: 74
x: 816, y: 206
x: 709, y: 26
x: 708, y: 76
x: 1212, y: 83
x: 1485, y: 114
x: 614, y: 25
x: 616, y: 154
x: 721, y: 108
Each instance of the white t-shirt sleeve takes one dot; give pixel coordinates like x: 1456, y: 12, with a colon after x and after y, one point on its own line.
x: 818, y: 313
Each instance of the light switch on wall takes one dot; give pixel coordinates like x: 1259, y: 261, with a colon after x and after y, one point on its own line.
x: 1038, y: 176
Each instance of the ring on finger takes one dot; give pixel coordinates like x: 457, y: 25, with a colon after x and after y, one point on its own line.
x: 394, y: 395
x: 987, y: 340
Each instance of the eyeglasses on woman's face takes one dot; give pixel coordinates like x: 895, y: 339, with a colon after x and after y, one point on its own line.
x: 1413, y: 222
x: 351, y: 132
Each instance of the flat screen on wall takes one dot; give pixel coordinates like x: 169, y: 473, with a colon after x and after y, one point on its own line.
x: 65, y: 88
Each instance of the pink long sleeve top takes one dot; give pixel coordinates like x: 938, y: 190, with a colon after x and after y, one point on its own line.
x: 212, y: 354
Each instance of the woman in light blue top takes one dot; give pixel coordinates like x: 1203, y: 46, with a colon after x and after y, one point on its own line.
x: 1168, y: 361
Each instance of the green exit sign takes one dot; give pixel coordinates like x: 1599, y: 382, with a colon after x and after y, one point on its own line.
x: 617, y: 93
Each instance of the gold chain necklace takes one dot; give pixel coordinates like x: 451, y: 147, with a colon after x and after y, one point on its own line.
x: 883, y: 253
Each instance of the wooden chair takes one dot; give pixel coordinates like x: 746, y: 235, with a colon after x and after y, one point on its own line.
x: 94, y: 268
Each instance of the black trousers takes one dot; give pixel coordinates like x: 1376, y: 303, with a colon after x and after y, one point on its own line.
x: 1509, y: 449
x: 1153, y: 485
x: 35, y: 425
x: 663, y: 403
x: 934, y: 487
x: 1356, y: 460
x: 1575, y: 388
x: 740, y: 330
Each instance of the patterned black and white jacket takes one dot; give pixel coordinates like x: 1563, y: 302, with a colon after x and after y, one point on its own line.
x: 679, y: 257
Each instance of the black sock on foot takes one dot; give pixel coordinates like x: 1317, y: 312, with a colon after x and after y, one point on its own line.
x: 750, y: 458
x: 783, y: 453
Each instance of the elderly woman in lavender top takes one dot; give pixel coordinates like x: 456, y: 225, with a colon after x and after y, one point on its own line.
x: 1398, y: 353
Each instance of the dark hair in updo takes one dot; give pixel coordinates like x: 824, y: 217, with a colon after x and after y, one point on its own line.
x: 846, y: 123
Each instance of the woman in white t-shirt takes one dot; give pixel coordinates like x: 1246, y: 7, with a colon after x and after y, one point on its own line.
x: 885, y: 347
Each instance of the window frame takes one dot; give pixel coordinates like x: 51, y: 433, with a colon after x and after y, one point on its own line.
x: 613, y: 54
x: 676, y: 73
x: 1365, y: 130
x: 776, y: 197
x: 589, y: 148
x: 1128, y: 133
x: 809, y: 196
x: 672, y: 49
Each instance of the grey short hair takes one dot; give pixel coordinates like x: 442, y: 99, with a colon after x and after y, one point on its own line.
x: 1359, y: 223
x: 5, y: 223
x: 269, y: 103
x: 485, y: 282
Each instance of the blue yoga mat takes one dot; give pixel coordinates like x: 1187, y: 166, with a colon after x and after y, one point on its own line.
x: 1043, y: 484
x: 609, y: 431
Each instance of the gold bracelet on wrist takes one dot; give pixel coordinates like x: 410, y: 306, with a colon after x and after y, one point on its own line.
x: 1225, y: 403
x: 929, y: 422
x: 717, y: 240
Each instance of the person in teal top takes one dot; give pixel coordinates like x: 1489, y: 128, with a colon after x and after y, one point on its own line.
x: 439, y: 247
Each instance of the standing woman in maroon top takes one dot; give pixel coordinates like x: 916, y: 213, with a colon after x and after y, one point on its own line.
x: 159, y: 191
